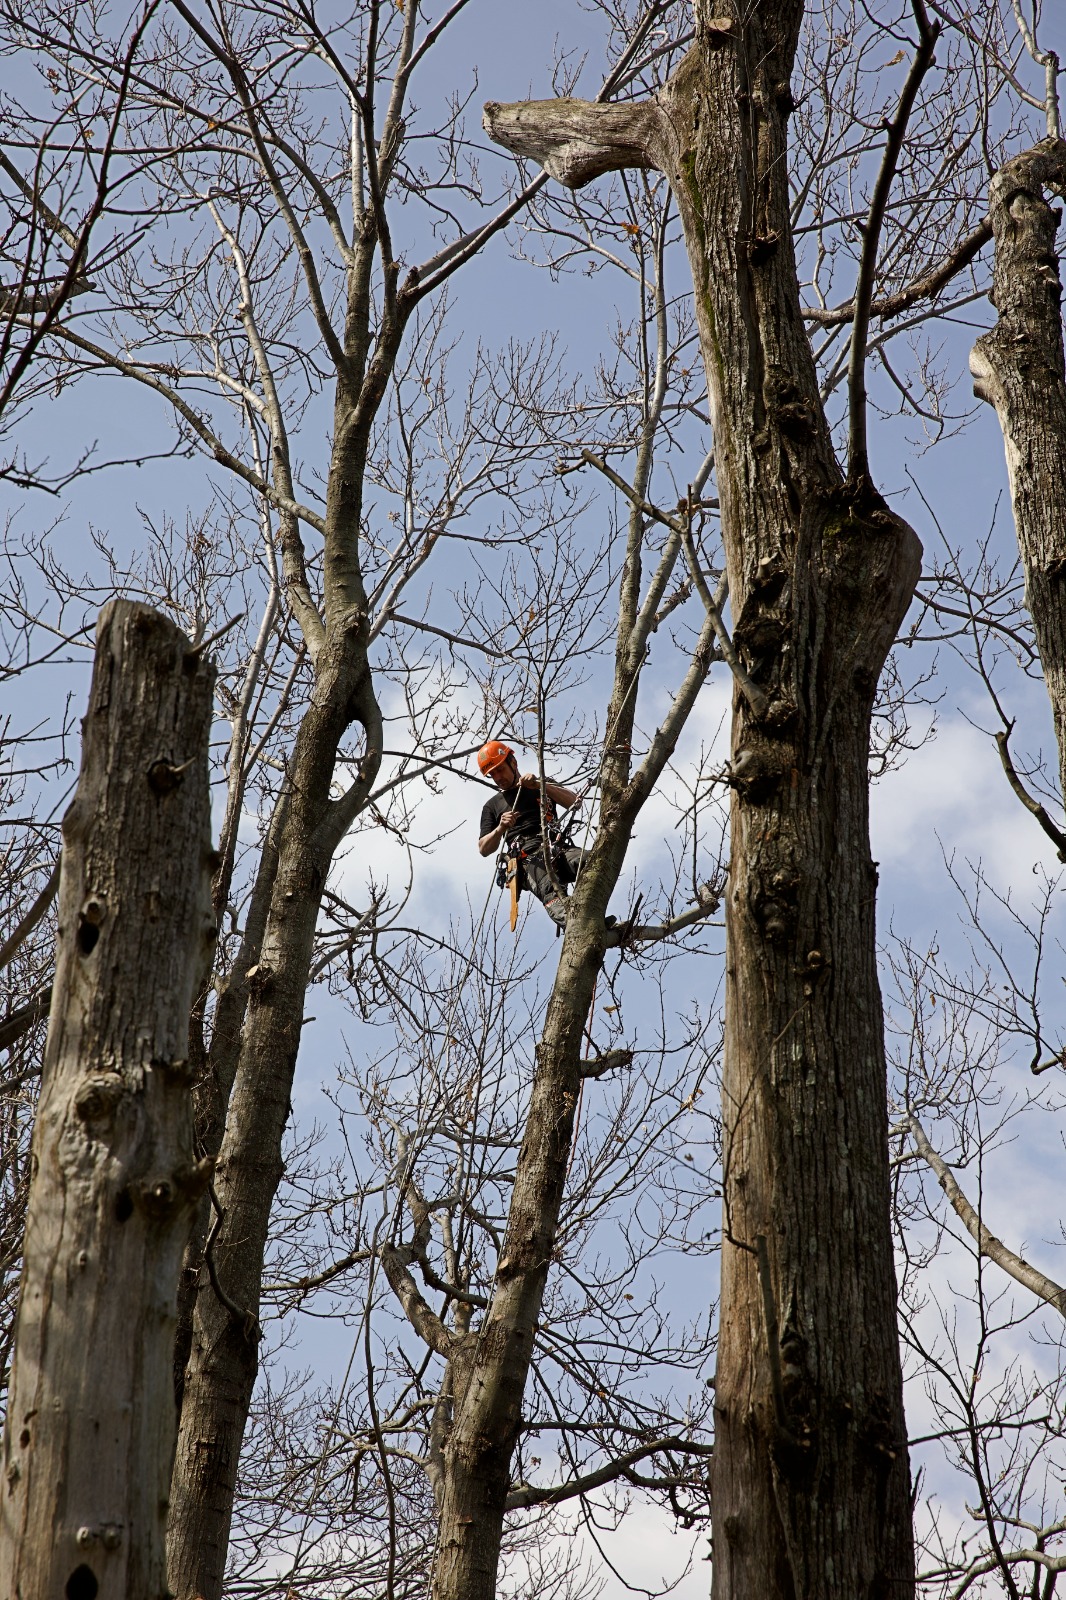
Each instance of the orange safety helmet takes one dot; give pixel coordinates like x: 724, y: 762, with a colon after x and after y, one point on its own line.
x: 492, y: 755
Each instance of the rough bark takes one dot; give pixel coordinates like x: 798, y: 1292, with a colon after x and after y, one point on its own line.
x: 90, y: 1433
x: 811, y: 1490
x: 1019, y: 368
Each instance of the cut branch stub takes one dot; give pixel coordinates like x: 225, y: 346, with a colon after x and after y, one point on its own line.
x: 90, y: 1427
x: 577, y: 140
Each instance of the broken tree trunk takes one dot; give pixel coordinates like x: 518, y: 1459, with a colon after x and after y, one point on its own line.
x: 1019, y: 368
x: 91, y: 1424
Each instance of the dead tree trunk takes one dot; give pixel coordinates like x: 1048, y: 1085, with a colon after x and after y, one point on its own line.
x: 810, y: 1479
x: 1019, y: 368
x: 90, y: 1429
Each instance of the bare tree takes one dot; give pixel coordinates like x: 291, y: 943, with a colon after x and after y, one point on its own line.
x: 217, y: 107
x: 820, y: 577
x: 89, y: 1432
x: 345, y: 1486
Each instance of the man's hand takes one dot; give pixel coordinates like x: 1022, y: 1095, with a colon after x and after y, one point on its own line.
x: 558, y: 793
x: 491, y: 841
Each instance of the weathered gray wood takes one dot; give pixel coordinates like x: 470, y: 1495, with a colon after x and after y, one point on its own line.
x: 90, y: 1432
x: 1019, y: 368
x: 810, y: 1478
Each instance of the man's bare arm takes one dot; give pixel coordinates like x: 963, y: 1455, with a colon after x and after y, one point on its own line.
x: 490, y: 842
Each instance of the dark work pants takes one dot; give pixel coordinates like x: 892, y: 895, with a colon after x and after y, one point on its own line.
x: 537, y: 879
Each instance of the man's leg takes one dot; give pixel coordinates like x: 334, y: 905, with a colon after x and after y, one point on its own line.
x: 575, y: 859
x: 538, y: 881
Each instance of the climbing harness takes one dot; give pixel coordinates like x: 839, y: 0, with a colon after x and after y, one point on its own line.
x: 512, y: 854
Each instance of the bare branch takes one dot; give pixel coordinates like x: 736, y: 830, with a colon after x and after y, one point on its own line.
x: 32, y: 917
x: 923, y: 288
x: 757, y: 698
x: 1031, y: 804
x: 858, y: 460
x: 627, y: 933
x: 18, y: 1023
x: 1028, y: 1276
x: 527, y: 1495
x: 426, y: 1324
x: 1050, y: 63
x: 224, y: 457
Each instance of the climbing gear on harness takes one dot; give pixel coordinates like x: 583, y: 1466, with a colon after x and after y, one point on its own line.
x: 509, y: 876
x: 521, y: 865
x: 493, y: 754
x: 559, y: 842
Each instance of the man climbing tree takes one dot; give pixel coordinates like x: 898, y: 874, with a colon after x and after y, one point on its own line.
x: 524, y: 813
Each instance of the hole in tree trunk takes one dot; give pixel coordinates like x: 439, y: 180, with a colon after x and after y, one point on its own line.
x: 88, y: 936
x: 123, y: 1212
x: 82, y: 1584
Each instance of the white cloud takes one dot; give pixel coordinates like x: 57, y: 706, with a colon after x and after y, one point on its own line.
x: 951, y: 795
x: 649, y: 1551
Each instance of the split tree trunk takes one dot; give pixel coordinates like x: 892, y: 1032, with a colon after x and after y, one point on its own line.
x: 811, y: 1491
x: 1019, y: 368
x: 90, y: 1429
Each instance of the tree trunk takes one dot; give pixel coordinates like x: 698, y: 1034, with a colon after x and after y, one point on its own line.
x: 490, y: 1370
x: 1018, y: 367
x: 223, y: 1357
x: 491, y: 1366
x: 811, y: 1492
x: 90, y: 1429
x: 252, y: 1060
